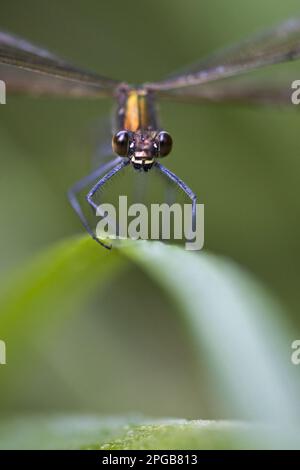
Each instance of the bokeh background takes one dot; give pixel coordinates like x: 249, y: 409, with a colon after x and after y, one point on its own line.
x: 124, y: 351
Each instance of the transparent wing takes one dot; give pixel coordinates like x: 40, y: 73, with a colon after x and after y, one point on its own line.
x: 29, y: 69
x: 237, y: 90
x: 280, y: 44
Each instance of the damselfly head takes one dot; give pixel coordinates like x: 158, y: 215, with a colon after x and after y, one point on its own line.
x: 142, y: 146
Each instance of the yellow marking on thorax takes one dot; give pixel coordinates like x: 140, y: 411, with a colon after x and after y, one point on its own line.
x: 136, y: 112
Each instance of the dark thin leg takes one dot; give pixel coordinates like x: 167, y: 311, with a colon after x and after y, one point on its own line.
x: 104, y: 180
x: 100, y: 184
x: 80, y: 185
x: 184, y: 188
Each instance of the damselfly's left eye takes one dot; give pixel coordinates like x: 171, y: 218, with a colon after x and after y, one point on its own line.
x: 165, y: 143
x: 120, y: 143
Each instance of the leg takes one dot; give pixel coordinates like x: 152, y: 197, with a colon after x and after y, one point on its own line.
x: 73, y: 192
x: 99, y: 185
x: 184, y: 188
x: 103, y: 180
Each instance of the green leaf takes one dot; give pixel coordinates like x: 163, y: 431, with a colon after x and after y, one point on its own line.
x: 51, y: 285
x: 60, y: 432
x: 237, y: 329
x: 234, y: 323
x: 118, y: 433
x: 203, y: 435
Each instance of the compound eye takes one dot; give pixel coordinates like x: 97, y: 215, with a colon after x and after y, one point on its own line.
x: 165, y: 143
x: 120, y: 143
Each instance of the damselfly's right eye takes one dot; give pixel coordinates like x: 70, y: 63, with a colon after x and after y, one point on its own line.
x: 165, y: 143
x: 120, y: 143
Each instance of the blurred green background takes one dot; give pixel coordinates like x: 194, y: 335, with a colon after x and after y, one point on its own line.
x: 125, y: 351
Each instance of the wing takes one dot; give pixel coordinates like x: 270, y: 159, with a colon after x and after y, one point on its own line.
x: 29, y: 69
x: 237, y: 90
x: 280, y: 44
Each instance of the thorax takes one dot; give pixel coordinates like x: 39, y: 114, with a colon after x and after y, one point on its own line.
x: 136, y: 110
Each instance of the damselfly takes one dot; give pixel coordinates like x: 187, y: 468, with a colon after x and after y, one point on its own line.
x: 138, y: 139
